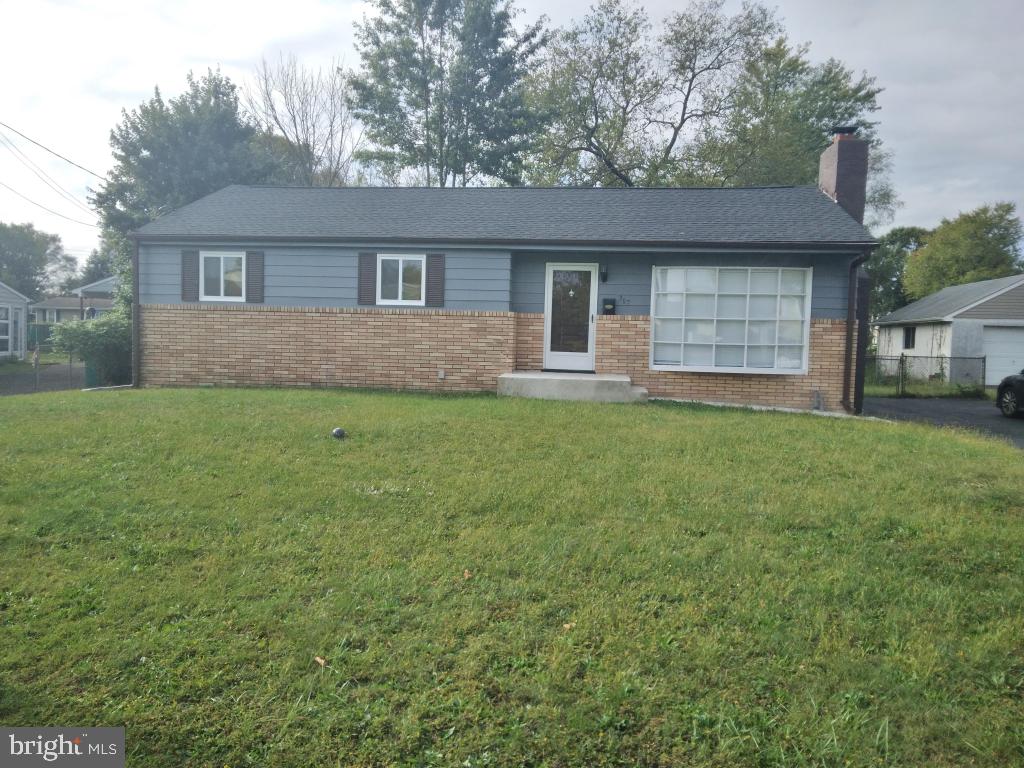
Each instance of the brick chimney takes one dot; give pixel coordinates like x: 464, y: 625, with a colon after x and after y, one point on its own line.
x: 843, y: 170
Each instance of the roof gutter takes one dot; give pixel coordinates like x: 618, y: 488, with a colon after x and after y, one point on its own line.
x: 851, y: 321
x: 513, y: 243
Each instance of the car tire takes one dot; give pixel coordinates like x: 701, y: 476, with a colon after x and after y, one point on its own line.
x: 1008, y: 403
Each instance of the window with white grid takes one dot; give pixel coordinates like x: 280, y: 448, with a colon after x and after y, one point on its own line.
x: 730, y: 319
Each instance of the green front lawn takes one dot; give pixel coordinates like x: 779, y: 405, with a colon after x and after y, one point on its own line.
x: 507, y: 582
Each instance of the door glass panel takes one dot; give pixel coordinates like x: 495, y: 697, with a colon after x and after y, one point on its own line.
x: 570, y: 310
x: 4, y: 312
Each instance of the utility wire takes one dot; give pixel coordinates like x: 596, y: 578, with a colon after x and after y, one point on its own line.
x: 49, y: 210
x: 55, y: 154
x: 43, y: 176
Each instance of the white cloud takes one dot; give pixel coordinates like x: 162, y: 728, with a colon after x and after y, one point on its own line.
x: 950, y: 111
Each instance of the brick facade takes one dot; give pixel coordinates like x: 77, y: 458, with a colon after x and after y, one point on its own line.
x: 246, y: 345
x: 623, y: 346
x: 529, y: 341
x: 190, y: 345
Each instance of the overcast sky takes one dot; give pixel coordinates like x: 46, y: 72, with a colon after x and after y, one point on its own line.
x: 952, y: 108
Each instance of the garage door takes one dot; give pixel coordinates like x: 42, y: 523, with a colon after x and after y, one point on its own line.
x: 1004, y: 352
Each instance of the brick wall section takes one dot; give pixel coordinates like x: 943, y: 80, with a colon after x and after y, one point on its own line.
x: 623, y: 347
x: 189, y: 345
x: 246, y: 345
x: 529, y: 341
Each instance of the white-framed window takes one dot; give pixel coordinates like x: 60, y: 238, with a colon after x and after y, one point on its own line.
x: 5, y: 331
x: 402, y: 279
x: 222, y: 276
x: 730, y: 319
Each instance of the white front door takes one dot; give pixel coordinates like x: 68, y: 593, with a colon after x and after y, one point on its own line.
x: 570, y: 304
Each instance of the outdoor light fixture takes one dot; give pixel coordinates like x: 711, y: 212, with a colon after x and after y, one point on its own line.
x: 602, y: 271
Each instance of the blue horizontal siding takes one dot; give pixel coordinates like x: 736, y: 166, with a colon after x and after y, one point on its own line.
x: 482, y: 279
x: 629, y: 277
x: 297, y: 276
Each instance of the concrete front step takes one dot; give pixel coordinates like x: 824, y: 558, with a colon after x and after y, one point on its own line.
x: 548, y: 385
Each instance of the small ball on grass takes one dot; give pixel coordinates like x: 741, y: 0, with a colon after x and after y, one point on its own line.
x: 338, y: 433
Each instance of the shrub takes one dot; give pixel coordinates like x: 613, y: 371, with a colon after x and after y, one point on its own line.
x: 105, y: 343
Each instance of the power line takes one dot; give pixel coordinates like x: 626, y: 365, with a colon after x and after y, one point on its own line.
x: 48, y: 210
x: 43, y: 176
x: 55, y: 154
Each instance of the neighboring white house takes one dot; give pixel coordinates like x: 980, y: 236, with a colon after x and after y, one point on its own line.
x: 13, y: 312
x: 975, y: 320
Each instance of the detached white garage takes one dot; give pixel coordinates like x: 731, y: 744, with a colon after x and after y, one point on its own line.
x: 1003, y: 347
x: 984, y: 319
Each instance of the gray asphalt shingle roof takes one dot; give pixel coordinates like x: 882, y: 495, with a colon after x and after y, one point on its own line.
x: 769, y: 215
x: 948, y: 301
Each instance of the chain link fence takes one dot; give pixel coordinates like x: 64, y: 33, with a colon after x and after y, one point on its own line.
x: 43, y: 369
x: 921, y: 376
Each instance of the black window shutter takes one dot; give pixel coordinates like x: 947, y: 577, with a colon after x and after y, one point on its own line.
x: 254, y: 277
x: 435, y: 280
x: 367, y: 282
x: 190, y: 275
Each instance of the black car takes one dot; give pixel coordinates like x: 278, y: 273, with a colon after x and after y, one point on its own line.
x: 1010, y: 395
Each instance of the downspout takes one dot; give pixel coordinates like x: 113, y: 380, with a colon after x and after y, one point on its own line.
x: 136, y: 362
x: 851, y: 321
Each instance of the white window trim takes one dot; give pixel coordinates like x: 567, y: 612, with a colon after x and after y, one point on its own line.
x: 10, y: 351
x: 203, y: 255
x: 399, y: 302
x: 801, y: 371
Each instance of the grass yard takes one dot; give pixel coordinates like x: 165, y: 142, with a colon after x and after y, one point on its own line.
x: 507, y: 582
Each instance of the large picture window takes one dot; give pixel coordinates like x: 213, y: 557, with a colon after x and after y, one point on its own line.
x: 223, y: 276
x: 401, y: 279
x: 730, y: 319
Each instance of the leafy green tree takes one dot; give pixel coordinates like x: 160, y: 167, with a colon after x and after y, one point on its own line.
x: 629, y: 102
x: 169, y: 153
x: 886, y: 267
x: 442, y: 90
x: 31, y: 262
x: 782, y: 118
x: 979, y: 245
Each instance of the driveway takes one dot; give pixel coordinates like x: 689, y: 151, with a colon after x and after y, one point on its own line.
x: 981, y: 415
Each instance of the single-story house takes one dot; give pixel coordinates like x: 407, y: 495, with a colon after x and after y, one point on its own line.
x: 58, y: 309
x: 104, y: 288
x: 735, y: 295
x: 13, y: 311
x: 975, y: 320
